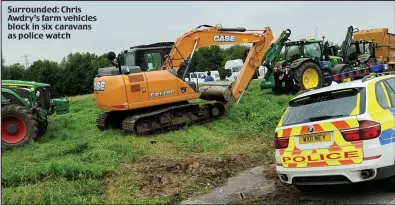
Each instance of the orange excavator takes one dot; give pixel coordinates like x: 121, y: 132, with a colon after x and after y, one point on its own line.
x: 145, y: 102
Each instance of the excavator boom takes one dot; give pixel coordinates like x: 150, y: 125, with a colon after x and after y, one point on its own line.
x: 186, y: 44
x: 251, y: 64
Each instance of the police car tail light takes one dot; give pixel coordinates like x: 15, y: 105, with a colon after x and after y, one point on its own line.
x: 367, y: 130
x: 351, y: 135
x: 280, y: 143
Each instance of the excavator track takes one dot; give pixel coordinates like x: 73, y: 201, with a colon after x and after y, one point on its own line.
x: 108, y: 120
x: 101, y: 121
x: 172, y: 117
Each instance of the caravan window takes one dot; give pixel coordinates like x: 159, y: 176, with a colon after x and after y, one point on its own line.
x: 236, y: 69
x: 201, y: 75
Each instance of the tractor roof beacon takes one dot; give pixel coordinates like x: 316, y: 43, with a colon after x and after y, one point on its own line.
x: 339, y: 134
x: 25, y: 107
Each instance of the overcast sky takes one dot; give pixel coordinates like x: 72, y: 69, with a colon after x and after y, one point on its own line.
x: 124, y: 24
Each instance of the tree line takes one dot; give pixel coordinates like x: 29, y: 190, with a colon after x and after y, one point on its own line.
x: 74, y: 75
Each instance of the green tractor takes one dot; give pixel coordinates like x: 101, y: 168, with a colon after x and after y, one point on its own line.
x: 309, y: 62
x: 24, y: 111
x: 363, y: 52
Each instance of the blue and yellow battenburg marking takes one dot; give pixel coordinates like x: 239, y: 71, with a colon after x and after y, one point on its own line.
x: 386, y: 117
x: 388, y: 135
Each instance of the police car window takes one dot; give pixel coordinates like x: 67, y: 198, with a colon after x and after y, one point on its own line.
x: 391, y: 90
x: 326, y: 105
x: 391, y: 83
x: 380, y: 96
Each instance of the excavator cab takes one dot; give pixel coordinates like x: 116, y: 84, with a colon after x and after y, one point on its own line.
x: 138, y: 59
x: 148, y: 57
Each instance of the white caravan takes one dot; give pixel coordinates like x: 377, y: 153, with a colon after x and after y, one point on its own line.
x: 233, y: 68
x: 198, y: 77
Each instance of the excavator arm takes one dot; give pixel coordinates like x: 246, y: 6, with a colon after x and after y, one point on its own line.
x: 251, y: 64
x: 185, y: 45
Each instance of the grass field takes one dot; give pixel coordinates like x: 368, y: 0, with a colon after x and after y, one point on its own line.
x: 76, y: 163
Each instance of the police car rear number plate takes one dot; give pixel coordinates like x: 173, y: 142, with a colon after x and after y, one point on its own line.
x: 315, y: 138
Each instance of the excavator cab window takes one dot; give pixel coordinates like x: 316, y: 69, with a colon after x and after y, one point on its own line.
x: 129, y: 59
x: 151, y: 59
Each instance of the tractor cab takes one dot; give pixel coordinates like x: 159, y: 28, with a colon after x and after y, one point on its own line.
x: 361, y: 50
x: 295, y: 50
x: 316, y: 50
x: 138, y: 59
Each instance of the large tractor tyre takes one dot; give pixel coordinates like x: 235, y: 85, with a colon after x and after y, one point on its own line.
x: 42, y: 123
x: 18, y: 126
x: 371, y: 62
x: 340, y: 68
x: 42, y: 128
x: 308, y: 76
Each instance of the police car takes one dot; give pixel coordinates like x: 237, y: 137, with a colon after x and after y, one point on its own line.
x: 340, y: 134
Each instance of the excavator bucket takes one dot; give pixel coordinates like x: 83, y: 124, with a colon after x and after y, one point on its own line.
x: 219, y: 91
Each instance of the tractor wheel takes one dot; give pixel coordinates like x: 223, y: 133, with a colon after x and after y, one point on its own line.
x: 18, y: 126
x: 340, y: 68
x: 371, y: 62
x: 308, y: 76
x: 42, y: 124
x: 42, y: 128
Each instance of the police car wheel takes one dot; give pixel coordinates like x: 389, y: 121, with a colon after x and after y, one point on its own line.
x: 390, y: 184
